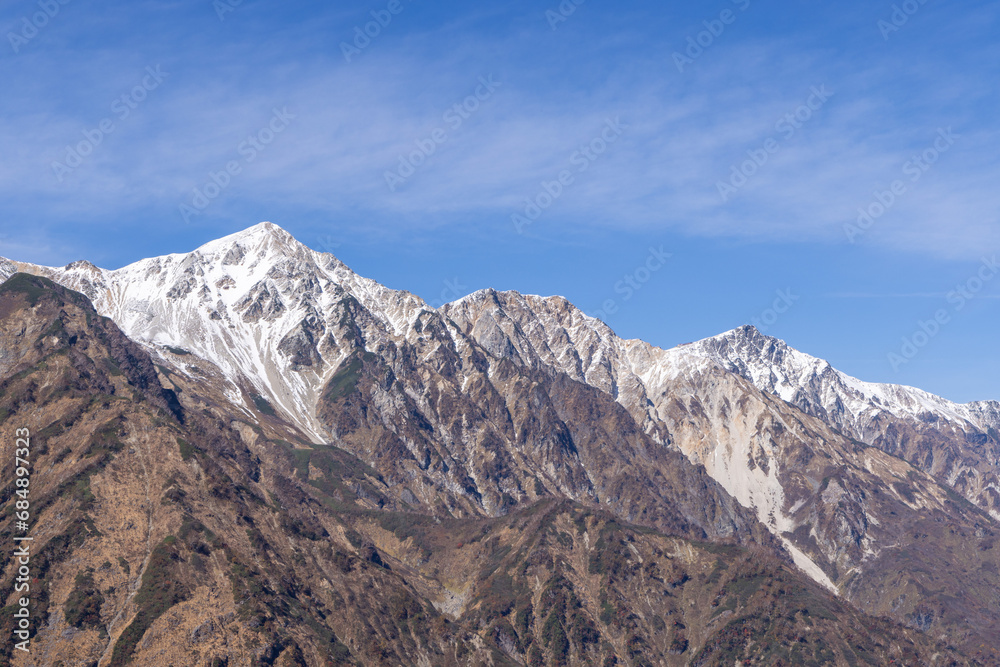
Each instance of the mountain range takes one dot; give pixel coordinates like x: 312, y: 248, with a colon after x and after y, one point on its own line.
x: 249, y: 454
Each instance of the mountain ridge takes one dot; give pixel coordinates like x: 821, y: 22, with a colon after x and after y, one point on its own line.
x: 958, y: 443
x: 258, y: 305
x: 213, y: 541
x: 499, y: 399
x: 985, y: 412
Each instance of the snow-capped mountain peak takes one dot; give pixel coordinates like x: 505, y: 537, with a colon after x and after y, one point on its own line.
x: 278, y: 321
x: 799, y: 378
x: 261, y: 241
x: 257, y: 304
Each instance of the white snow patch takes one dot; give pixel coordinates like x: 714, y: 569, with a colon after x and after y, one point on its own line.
x: 806, y: 564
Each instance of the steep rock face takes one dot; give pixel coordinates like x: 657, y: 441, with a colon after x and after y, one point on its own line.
x: 208, y: 540
x: 280, y: 328
x: 845, y: 511
x: 958, y: 444
x: 432, y: 414
x: 432, y: 417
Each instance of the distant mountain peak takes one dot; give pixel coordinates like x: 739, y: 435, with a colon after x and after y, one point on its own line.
x: 82, y: 264
x: 746, y: 331
x: 746, y: 334
x: 267, y: 231
x: 261, y: 230
x: 478, y: 295
x: 262, y: 239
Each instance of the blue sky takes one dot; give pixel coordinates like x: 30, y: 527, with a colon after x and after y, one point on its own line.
x: 259, y: 105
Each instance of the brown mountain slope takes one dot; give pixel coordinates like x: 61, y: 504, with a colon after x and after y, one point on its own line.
x: 877, y: 529
x: 188, y: 537
x: 461, y: 431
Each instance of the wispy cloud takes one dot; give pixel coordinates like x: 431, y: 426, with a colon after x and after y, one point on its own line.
x: 356, y: 119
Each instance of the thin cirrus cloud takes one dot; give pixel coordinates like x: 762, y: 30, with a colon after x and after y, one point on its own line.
x: 685, y: 132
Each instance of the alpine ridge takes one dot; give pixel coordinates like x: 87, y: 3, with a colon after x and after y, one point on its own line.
x: 255, y: 304
x: 958, y: 444
x: 361, y: 411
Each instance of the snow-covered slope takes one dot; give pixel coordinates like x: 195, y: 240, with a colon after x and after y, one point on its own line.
x: 256, y: 304
x: 847, y: 402
x: 958, y: 444
x: 276, y: 319
x: 551, y: 331
x: 771, y: 456
x: 389, y: 379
